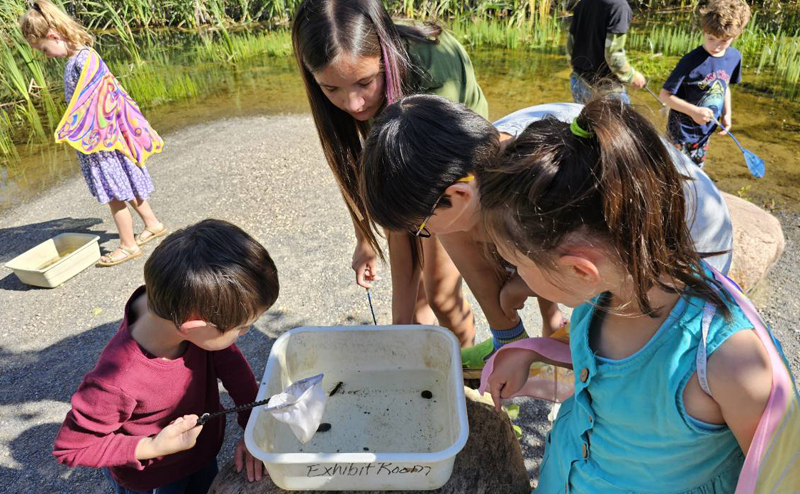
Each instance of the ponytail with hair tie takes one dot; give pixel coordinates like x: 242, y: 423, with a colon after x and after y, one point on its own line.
x: 579, y: 131
x: 620, y: 190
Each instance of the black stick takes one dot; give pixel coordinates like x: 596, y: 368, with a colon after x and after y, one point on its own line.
x: 208, y: 416
x: 371, y: 309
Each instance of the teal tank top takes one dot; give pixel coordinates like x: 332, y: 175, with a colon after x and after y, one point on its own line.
x: 625, y: 430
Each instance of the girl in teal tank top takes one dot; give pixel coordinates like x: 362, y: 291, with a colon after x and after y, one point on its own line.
x: 670, y: 383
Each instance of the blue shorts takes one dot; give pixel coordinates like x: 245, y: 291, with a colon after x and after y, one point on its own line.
x: 694, y: 150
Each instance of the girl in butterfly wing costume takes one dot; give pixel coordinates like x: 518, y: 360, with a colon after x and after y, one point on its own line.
x: 103, y: 124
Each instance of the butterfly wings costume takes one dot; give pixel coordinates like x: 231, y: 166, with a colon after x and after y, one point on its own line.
x: 102, y: 117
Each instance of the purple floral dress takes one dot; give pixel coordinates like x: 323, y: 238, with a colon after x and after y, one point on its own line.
x: 109, y: 174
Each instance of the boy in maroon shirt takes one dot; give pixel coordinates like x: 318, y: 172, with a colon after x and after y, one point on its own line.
x: 135, y: 414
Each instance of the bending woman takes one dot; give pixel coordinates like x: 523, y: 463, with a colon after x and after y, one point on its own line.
x: 354, y: 60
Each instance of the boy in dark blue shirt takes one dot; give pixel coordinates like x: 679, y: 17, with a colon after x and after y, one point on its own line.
x: 698, y: 90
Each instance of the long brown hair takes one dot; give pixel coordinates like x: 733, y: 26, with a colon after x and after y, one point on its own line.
x: 616, y: 187
x: 44, y: 16
x: 322, y: 30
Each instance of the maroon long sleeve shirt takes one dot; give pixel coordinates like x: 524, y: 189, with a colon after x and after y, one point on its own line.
x: 130, y: 395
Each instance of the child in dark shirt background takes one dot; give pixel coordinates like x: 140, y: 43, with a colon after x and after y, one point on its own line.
x: 698, y: 90
x: 596, y: 50
x: 135, y: 414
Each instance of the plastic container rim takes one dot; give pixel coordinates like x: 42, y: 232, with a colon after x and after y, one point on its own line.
x: 90, y: 239
x: 302, y: 458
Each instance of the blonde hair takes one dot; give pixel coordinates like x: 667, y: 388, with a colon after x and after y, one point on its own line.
x: 724, y: 18
x: 44, y: 16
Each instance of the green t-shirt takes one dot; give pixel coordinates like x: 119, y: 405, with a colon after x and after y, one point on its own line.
x: 444, y: 69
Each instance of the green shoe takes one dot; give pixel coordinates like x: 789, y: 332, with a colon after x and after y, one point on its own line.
x: 475, y: 357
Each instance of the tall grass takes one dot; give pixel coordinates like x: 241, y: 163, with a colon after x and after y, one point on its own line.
x: 106, y: 13
x: 7, y: 147
x: 25, y: 97
x: 508, y: 33
x: 245, y: 46
x: 683, y: 4
x: 196, y: 13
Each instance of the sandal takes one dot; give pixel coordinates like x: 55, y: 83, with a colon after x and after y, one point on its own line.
x: 141, y: 239
x: 475, y: 357
x: 108, y: 261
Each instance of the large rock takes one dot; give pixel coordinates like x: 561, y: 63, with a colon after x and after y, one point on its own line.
x: 490, y: 463
x: 757, y: 242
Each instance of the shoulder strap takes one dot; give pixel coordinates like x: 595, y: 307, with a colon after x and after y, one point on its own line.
x: 772, y: 463
x: 80, y: 53
x: 702, y: 356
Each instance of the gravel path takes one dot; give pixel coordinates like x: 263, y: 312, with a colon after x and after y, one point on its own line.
x: 273, y: 183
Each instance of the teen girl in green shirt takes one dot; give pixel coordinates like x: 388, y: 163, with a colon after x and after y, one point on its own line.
x: 355, y: 60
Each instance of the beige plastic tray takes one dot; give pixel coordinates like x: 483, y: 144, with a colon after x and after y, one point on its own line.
x: 54, y: 261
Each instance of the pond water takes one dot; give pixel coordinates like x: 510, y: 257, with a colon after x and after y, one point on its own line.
x: 767, y: 126
x: 511, y: 80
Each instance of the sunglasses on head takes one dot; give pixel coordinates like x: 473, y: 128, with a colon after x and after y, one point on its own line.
x: 423, y: 232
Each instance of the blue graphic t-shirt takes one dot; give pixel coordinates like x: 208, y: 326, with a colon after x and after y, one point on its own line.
x: 701, y: 80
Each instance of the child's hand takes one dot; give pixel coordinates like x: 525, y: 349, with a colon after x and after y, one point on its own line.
x: 510, y: 373
x: 180, y: 435
x: 513, y: 296
x: 725, y: 120
x: 365, y: 264
x: 702, y: 115
x: 243, y: 459
x: 638, y: 81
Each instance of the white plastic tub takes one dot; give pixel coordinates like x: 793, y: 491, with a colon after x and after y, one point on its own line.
x: 384, y: 434
x: 54, y: 261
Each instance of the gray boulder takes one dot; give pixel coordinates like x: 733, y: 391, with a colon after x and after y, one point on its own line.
x: 758, y: 242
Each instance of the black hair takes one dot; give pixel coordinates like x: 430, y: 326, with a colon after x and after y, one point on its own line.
x: 416, y: 149
x: 212, y: 270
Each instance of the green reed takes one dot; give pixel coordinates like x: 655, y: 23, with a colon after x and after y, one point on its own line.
x: 691, y: 4
x: 245, y: 46
x: 106, y: 15
x: 16, y: 82
x: 196, y: 13
x: 538, y: 27
x: 7, y: 147
x: 154, y: 84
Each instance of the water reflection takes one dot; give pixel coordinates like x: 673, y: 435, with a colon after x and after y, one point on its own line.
x: 511, y: 79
